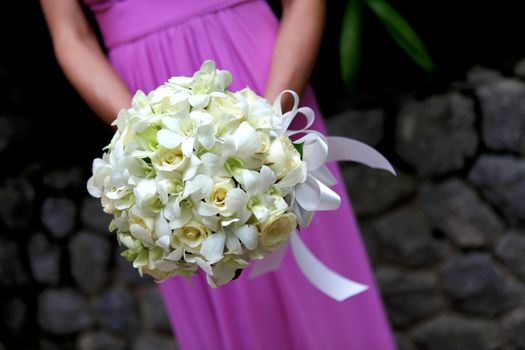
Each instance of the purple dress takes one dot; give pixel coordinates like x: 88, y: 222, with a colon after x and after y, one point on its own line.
x: 149, y: 41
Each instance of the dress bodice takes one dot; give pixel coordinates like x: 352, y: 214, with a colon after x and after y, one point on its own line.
x: 123, y: 21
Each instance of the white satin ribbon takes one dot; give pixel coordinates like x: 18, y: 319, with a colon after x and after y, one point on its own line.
x: 343, y: 148
x: 315, y: 194
x: 327, y: 281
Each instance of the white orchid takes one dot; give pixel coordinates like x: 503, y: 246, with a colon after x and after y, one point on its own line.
x: 183, y: 129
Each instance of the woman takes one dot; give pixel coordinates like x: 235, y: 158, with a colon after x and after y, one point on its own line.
x: 149, y: 41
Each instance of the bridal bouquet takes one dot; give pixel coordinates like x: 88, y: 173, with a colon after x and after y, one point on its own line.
x: 197, y: 176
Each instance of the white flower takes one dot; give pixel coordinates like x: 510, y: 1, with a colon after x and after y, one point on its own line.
x: 169, y: 160
x: 282, y: 157
x: 257, y: 110
x: 215, y: 203
x: 276, y: 230
x: 213, y: 247
x: 183, y: 130
x: 208, y: 79
x: 191, y: 236
x: 101, y: 171
x: 226, y: 113
x: 256, y: 198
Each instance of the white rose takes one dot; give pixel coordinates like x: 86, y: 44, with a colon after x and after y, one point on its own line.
x: 275, y: 231
x: 258, y: 111
x: 224, y: 106
x: 265, y: 142
x: 191, y: 236
x: 282, y: 157
x: 169, y: 159
x: 220, y: 189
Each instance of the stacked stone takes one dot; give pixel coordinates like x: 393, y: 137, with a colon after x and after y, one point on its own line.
x: 64, y: 284
x: 447, y: 235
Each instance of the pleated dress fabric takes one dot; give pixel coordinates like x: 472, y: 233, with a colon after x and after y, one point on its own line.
x: 149, y: 41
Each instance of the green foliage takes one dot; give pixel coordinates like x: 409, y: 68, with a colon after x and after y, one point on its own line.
x: 350, y: 42
x: 398, y: 28
x: 299, y: 147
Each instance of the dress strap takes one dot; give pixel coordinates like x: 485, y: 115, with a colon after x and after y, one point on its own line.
x: 129, y: 20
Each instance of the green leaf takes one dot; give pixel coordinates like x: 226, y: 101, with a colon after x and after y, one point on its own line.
x: 350, y: 42
x: 299, y: 148
x: 402, y: 33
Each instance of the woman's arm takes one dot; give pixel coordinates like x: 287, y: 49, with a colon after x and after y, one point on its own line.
x: 296, y: 47
x: 82, y: 59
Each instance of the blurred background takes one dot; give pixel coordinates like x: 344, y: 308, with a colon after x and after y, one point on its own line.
x: 446, y: 237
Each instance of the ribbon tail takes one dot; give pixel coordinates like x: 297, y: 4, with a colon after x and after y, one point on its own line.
x: 342, y: 148
x: 270, y: 262
x: 327, y: 281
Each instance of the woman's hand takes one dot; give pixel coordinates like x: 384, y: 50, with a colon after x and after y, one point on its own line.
x: 82, y: 59
x: 296, y: 48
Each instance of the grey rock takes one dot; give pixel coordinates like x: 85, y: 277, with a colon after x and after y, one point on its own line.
x: 519, y: 68
x: 513, y: 329
x: 404, y: 236
x: 404, y: 343
x: 372, y: 191
x: 437, y: 135
x: 454, y: 208
x: 90, y: 255
x: 44, y: 259
x: 100, y: 340
x: 58, y: 216
x: 477, y: 286
x: 116, y: 311
x: 408, y: 296
x: 365, y: 126
x: 457, y: 333
x: 67, y: 178
x: 478, y: 76
x: 46, y: 344
x: 12, y: 271
x: 16, y: 207
x: 511, y: 250
x: 150, y: 342
x: 503, y: 112
x: 501, y: 179
x: 153, y: 311
x: 367, y: 234
x: 63, y: 311
x: 93, y: 217
x: 14, y: 314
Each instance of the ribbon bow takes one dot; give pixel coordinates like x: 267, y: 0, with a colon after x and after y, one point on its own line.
x: 314, y: 194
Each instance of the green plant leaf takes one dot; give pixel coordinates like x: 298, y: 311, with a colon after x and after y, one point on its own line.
x: 350, y: 42
x: 299, y: 148
x: 402, y: 33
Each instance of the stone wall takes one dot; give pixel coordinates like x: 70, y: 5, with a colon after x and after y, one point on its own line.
x: 63, y: 282
x: 446, y: 236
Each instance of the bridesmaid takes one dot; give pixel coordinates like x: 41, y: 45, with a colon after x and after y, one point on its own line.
x: 149, y: 41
